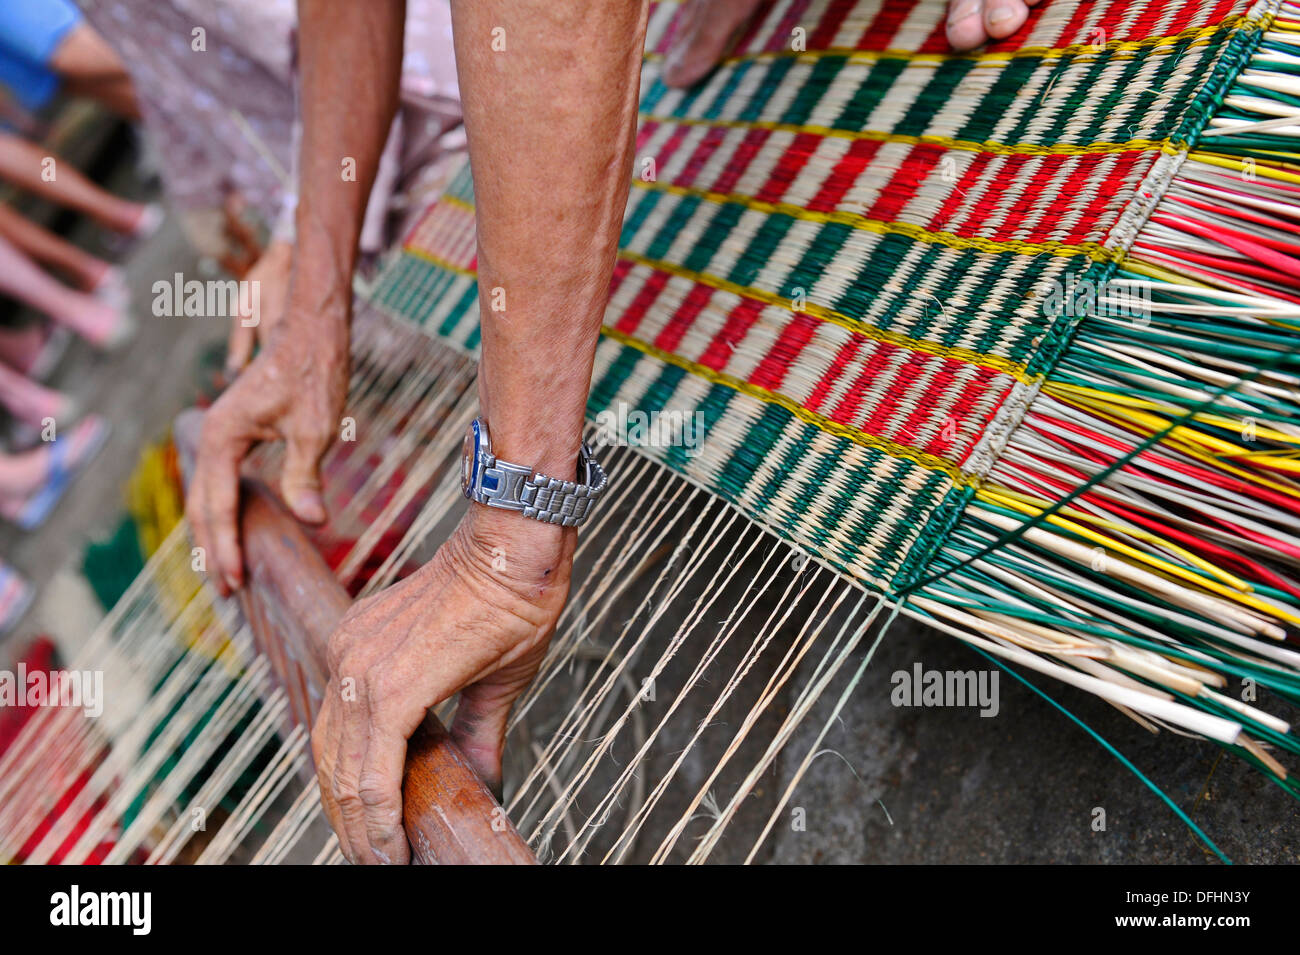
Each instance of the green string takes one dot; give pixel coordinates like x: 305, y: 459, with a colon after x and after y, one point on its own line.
x: 1178, y: 810
x: 1143, y: 446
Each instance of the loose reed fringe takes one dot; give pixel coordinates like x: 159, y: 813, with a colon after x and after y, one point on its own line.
x: 1140, y: 535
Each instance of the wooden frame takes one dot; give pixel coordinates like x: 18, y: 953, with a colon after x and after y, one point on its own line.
x: 292, y: 603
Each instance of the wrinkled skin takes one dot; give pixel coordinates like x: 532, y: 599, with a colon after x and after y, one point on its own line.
x: 709, y: 28
x: 479, y: 615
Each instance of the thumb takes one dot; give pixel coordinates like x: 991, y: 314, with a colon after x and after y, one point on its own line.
x: 239, y: 348
x: 479, y: 728
x: 300, y: 483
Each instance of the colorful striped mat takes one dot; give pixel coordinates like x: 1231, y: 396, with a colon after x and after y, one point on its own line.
x: 1004, y: 333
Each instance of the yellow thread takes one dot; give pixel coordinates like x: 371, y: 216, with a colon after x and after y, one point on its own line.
x: 1181, y: 438
x: 947, y: 142
x: 930, y: 462
x: 1141, y: 534
x: 1246, y: 599
x: 995, y: 362
x: 440, y: 262
x: 1091, y: 250
x: 1224, y: 162
x: 457, y: 202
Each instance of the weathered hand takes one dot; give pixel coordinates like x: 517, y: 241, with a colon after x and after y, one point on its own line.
x: 293, y: 390
x: 972, y: 23
x: 271, y: 273
x: 708, y: 28
x: 476, y: 619
x: 705, y: 34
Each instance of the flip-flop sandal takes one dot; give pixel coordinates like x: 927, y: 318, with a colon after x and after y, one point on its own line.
x: 15, y: 597
x: 61, y: 474
x: 51, y: 353
x: 119, y: 243
x: 23, y: 435
x: 113, y: 289
x: 122, y: 333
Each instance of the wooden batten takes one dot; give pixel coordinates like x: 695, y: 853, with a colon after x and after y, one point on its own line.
x: 292, y: 603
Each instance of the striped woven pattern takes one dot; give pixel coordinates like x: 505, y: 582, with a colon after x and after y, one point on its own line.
x: 837, y: 248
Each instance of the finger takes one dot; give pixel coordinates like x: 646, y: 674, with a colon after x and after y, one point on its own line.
x: 218, y: 464
x: 324, y: 747
x: 200, y: 532
x: 479, y: 729
x: 966, y: 24
x: 1004, y: 17
x: 380, y: 789
x: 706, y: 34
x: 353, y: 722
x: 239, y: 346
x: 300, y: 482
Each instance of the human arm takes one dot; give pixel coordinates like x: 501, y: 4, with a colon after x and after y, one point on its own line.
x: 551, y: 121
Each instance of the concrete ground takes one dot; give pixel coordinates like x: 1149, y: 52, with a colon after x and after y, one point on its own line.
x: 901, y: 785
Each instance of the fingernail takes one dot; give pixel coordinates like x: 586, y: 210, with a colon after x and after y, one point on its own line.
x: 963, y: 9
x: 309, y: 506
x: 1001, y: 14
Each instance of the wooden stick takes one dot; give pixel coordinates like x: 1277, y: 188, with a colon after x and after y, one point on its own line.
x: 293, y: 603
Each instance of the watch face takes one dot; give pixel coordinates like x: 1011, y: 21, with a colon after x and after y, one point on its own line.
x: 469, y: 459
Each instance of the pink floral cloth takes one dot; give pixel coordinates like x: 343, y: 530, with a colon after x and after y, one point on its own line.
x: 216, y: 82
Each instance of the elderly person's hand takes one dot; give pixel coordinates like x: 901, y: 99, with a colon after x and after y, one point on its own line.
x: 710, y: 28
x: 247, y: 329
x: 476, y: 619
x: 294, y: 390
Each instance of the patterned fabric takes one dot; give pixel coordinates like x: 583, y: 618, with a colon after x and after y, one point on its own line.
x: 216, y: 78
x: 839, y: 255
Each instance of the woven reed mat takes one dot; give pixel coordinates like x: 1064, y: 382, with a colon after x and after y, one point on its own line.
x: 838, y: 257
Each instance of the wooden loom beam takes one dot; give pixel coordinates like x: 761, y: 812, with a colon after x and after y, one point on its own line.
x: 293, y: 602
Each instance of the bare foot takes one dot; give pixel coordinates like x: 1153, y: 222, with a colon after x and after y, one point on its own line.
x: 31, y: 402
x: 972, y: 23
x: 705, y: 35
x: 20, y: 348
x: 101, y: 323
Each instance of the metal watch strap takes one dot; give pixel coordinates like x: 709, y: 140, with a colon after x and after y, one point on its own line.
x: 501, y: 484
x: 543, y: 498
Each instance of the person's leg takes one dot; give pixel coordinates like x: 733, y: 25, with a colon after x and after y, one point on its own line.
x: 91, y: 68
x: 32, y: 482
x: 87, y: 271
x: 35, y: 349
x: 97, y: 321
x: 33, y: 403
x: 30, y: 33
x: 29, y: 167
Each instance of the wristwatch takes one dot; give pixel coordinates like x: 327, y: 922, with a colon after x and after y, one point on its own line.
x: 514, y: 487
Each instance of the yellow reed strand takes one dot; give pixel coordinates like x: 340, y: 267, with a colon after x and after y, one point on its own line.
x: 1184, y: 439
x: 1092, y: 250
x: 1248, y: 600
x: 1237, y: 165
x: 1141, y: 534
